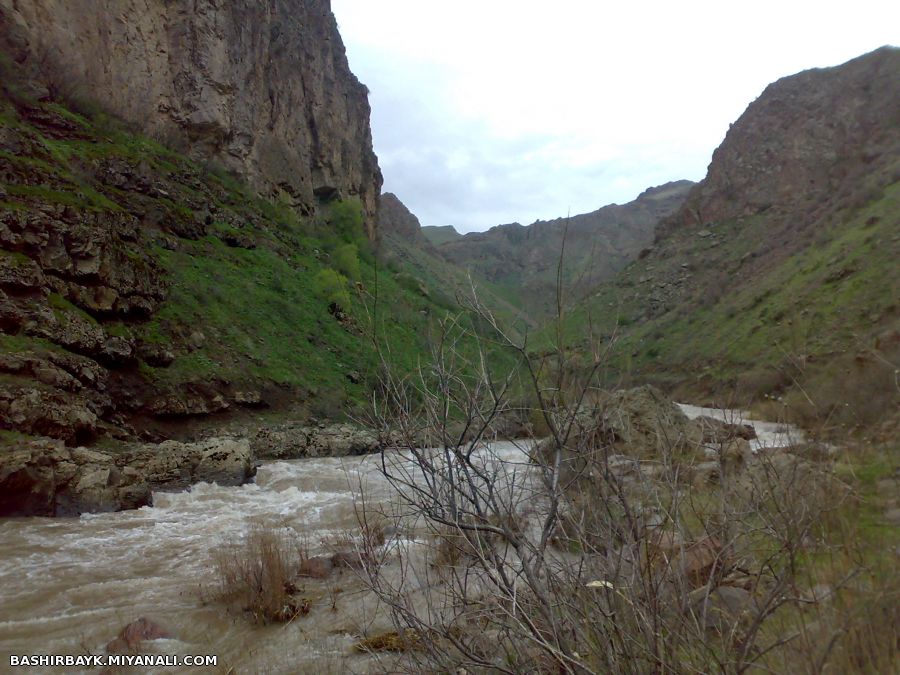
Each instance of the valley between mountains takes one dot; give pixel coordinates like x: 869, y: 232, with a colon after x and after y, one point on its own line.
x: 214, y: 323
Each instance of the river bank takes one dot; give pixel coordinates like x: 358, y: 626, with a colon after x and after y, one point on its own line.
x: 70, y: 585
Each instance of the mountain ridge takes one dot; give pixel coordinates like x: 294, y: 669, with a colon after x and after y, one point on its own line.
x: 777, y: 277
x: 523, y: 259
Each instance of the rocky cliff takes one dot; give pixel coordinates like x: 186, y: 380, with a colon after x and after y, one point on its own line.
x: 143, y: 292
x: 260, y: 87
x: 395, y: 219
x: 778, y: 275
x: 805, y: 137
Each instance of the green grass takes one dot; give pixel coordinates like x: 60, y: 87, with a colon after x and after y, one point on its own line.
x: 25, y: 343
x: 264, y: 321
x: 829, y: 297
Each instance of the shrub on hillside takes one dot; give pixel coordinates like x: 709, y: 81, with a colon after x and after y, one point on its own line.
x: 346, y: 260
x: 332, y: 286
x: 345, y: 219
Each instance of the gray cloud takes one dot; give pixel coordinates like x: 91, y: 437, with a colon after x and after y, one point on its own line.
x: 487, y: 113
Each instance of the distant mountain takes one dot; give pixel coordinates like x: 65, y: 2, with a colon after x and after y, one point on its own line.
x: 522, y: 261
x: 780, y: 269
x: 440, y: 234
x: 414, y: 262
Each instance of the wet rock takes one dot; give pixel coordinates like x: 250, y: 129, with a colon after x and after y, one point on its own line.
x: 294, y: 442
x: 719, y: 431
x: 223, y: 461
x: 132, y: 637
x: 46, y: 478
x: 341, y: 440
x: 173, y: 465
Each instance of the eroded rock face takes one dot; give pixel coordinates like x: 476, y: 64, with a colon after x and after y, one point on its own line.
x: 46, y: 478
x: 261, y: 87
x: 798, y: 142
x: 296, y: 442
x: 395, y: 218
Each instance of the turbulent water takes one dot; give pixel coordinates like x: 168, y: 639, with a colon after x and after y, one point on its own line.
x: 68, y: 586
x: 768, y: 434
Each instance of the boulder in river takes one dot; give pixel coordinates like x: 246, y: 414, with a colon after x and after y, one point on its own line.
x: 45, y: 478
x: 130, y: 640
x: 298, y: 441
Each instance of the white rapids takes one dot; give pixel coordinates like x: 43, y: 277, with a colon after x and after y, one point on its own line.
x: 68, y: 586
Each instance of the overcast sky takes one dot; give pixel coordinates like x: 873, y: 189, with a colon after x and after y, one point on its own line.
x: 493, y: 111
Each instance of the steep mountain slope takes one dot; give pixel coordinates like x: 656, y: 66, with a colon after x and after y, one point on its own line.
x: 780, y: 270
x: 143, y: 292
x: 440, y: 234
x: 523, y: 261
x: 415, y: 262
x: 262, y: 88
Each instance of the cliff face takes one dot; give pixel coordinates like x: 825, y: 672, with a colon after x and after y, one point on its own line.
x: 261, y: 87
x: 806, y: 136
x: 780, y: 268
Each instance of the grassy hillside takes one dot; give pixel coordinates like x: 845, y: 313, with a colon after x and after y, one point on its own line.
x: 440, y: 234
x: 776, y: 281
x: 183, y: 292
x: 736, y: 311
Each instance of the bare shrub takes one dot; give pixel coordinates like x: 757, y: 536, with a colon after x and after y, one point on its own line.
x: 605, y: 547
x: 259, y: 574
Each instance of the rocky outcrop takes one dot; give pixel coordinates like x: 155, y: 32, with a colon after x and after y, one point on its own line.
x: 93, y: 222
x: 291, y: 441
x: 46, y: 478
x: 801, y: 140
x: 395, y: 219
x: 262, y: 88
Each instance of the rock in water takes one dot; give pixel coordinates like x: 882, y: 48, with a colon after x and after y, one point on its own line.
x: 132, y: 637
x: 45, y: 478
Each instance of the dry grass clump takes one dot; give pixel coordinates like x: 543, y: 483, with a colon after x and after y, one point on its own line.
x: 391, y: 641
x: 259, y: 574
x: 362, y: 550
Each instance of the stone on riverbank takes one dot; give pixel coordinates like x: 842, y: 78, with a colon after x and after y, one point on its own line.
x: 46, y: 478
